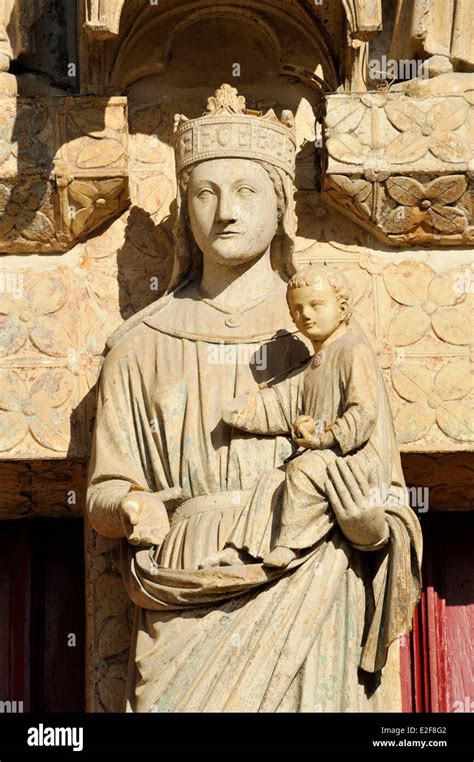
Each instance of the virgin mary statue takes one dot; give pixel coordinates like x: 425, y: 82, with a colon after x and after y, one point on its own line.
x: 169, y: 476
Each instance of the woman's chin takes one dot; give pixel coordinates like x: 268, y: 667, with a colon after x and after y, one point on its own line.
x: 227, y: 253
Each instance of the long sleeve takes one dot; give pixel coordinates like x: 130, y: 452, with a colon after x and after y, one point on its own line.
x: 359, y: 382
x: 269, y: 410
x: 115, y: 464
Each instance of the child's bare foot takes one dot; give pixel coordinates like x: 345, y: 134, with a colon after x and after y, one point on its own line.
x: 279, y: 557
x: 226, y: 557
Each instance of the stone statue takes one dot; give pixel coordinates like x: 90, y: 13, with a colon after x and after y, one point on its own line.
x: 439, y: 33
x: 341, y: 410
x: 170, y: 476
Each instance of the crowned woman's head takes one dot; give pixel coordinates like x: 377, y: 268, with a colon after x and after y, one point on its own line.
x: 235, y: 171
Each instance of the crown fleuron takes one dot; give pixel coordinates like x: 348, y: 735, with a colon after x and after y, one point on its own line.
x: 229, y: 130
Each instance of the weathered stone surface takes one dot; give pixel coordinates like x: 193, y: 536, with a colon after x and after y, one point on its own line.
x: 399, y: 176
x: 42, y: 488
x: 440, y: 34
x: 402, y: 165
x: 63, y: 170
x: 235, y: 170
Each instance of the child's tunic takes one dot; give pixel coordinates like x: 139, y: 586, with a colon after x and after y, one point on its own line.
x: 342, y: 389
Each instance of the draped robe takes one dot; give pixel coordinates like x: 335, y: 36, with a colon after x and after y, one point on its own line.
x: 311, y: 637
x: 431, y: 28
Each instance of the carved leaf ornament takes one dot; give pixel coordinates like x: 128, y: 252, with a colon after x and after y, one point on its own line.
x: 99, y: 136
x: 431, y: 303
x: 431, y: 131
x: 420, y: 132
x: 19, y: 211
x: 33, y: 317
x: 438, y: 399
x: 426, y: 204
x: 88, y: 196
x: 34, y: 408
x: 342, y: 144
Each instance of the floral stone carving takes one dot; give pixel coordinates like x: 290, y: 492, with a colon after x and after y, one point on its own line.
x: 63, y: 169
x: 402, y: 165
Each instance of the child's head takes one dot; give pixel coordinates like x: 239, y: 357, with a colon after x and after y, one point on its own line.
x: 320, y: 299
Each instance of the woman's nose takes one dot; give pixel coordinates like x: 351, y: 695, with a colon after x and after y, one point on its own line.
x: 227, y: 208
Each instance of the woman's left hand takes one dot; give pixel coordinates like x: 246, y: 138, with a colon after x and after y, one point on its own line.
x: 350, y: 494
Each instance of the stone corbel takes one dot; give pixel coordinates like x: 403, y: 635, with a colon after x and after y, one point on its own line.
x: 63, y: 170
x: 402, y: 167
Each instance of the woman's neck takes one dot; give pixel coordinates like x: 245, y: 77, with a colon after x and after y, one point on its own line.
x: 233, y: 286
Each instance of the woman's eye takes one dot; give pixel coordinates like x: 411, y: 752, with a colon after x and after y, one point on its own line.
x: 245, y: 190
x: 204, y: 193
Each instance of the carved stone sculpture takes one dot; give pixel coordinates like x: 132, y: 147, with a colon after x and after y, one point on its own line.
x: 401, y: 165
x: 171, y: 477
x: 437, y: 32
x: 335, y: 408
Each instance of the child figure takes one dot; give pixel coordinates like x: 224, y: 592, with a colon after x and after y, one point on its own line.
x: 334, y: 406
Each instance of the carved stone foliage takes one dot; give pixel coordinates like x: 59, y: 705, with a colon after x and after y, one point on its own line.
x: 63, y: 169
x: 112, y: 613
x: 402, y: 165
x: 39, y: 364
x: 53, y: 328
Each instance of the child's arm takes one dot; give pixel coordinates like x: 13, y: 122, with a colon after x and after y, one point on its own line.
x: 359, y: 378
x: 258, y: 412
x: 268, y: 410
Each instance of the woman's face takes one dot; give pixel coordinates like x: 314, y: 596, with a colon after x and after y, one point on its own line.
x: 233, y: 210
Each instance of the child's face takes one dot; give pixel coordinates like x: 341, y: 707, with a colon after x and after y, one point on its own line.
x: 316, y: 310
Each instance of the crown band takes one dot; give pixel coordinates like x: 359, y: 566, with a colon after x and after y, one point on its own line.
x: 228, y: 130
x: 235, y: 135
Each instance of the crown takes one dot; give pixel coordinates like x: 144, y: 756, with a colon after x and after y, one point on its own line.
x: 229, y: 130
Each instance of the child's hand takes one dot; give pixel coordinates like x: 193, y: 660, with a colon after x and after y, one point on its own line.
x: 303, y: 433
x: 303, y: 429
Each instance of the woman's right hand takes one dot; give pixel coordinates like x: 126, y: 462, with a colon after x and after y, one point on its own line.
x: 144, y: 518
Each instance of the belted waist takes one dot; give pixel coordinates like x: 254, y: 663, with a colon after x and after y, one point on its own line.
x: 205, y: 503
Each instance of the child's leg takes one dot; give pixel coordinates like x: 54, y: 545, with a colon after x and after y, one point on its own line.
x: 305, y: 516
x: 254, y: 533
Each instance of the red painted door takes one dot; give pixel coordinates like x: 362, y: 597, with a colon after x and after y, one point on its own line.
x: 437, y: 657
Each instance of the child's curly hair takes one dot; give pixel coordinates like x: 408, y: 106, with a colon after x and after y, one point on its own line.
x: 316, y: 274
